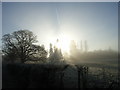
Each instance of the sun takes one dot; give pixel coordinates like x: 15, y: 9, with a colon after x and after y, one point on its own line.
x: 63, y: 43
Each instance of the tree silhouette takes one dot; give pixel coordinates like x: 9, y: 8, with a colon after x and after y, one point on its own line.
x: 51, y: 50
x: 86, y: 46
x: 21, y: 45
x: 73, y: 48
x: 55, y: 54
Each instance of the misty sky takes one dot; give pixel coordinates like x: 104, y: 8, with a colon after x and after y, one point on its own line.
x: 95, y: 22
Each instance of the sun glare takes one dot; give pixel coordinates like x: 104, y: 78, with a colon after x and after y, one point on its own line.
x: 62, y: 42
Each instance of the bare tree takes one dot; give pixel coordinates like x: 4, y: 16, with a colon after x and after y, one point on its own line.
x: 21, y: 44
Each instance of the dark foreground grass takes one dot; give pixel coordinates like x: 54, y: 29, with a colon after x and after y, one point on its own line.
x: 59, y: 76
